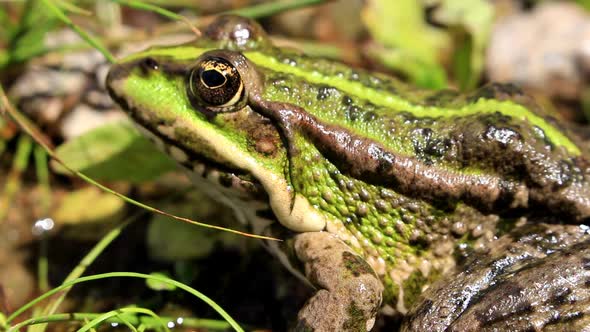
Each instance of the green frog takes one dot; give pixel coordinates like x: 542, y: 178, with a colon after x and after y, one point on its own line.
x: 457, y: 212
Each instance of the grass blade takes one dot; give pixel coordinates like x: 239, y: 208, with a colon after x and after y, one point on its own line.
x: 6, y: 107
x: 158, y: 278
x: 83, y: 34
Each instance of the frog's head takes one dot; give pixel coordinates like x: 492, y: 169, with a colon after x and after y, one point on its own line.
x: 196, y: 99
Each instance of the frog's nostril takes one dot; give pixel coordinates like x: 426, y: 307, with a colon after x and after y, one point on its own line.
x: 149, y: 63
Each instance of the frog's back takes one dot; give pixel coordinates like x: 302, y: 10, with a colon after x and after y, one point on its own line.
x: 494, y: 148
x: 411, y: 174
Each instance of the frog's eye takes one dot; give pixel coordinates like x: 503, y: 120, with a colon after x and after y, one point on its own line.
x: 216, y: 82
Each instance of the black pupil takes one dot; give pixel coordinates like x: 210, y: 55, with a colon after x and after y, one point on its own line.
x: 213, y: 78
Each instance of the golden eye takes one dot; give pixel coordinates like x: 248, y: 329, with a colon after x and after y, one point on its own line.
x: 215, y: 82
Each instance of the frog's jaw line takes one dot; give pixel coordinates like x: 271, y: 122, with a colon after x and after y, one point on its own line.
x: 302, y: 217
x: 208, y: 180
x: 203, y: 170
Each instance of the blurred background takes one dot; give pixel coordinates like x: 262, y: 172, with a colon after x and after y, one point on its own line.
x: 50, y: 219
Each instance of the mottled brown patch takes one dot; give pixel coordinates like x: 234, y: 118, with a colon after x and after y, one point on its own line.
x: 490, y: 315
x: 356, y: 319
x: 239, y: 31
x: 499, y: 91
x: 560, y: 297
x: 261, y: 133
x: 441, y: 97
x: 302, y: 325
x: 355, y: 264
x: 266, y: 146
x: 423, y: 308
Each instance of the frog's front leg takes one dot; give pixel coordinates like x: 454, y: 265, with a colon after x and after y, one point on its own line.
x: 349, y: 292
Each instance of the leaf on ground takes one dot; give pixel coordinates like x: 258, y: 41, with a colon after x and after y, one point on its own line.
x: 170, y: 241
x: 115, y: 151
x: 73, y: 208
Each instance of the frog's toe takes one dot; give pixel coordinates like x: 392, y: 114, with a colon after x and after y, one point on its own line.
x: 350, y: 292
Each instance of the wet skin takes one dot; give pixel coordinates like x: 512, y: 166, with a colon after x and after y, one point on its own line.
x: 427, y: 204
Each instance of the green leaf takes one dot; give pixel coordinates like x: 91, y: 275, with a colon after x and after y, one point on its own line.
x: 189, y: 241
x: 407, y: 43
x: 158, y: 285
x: 73, y: 208
x: 423, y: 74
x: 7, y: 26
x: 27, y: 38
x: 3, y: 324
x: 473, y: 25
x: 462, y: 67
x: 115, y: 151
x: 584, y: 3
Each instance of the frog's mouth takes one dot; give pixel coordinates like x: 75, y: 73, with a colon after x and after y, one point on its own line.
x: 241, y: 182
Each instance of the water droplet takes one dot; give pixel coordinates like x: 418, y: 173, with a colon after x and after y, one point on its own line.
x: 42, y: 226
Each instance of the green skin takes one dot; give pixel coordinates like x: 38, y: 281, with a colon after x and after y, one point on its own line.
x: 412, y: 181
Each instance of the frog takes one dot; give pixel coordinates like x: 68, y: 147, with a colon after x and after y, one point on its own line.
x: 452, y: 211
